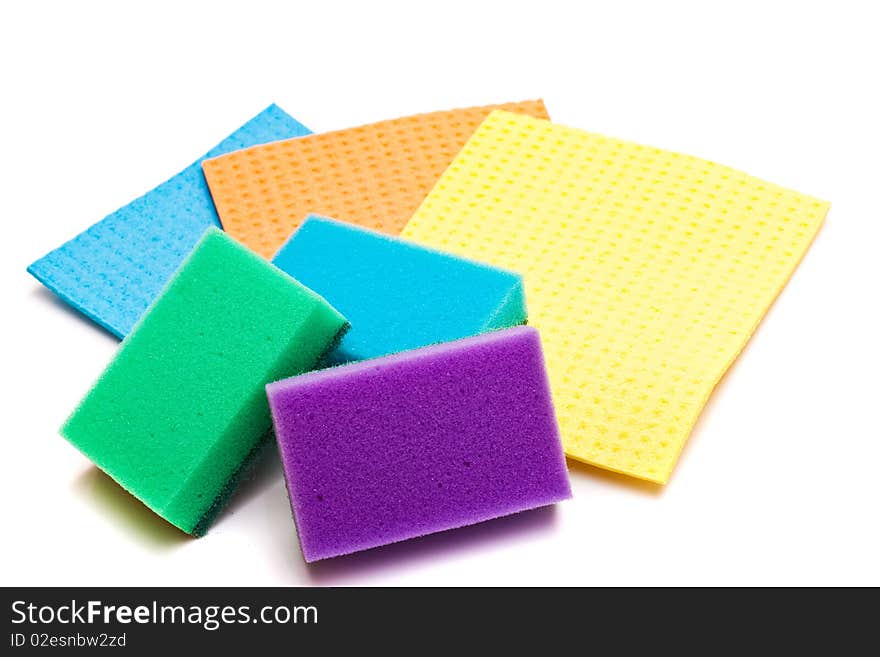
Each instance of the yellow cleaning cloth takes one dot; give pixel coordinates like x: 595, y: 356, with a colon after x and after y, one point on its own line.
x: 646, y: 272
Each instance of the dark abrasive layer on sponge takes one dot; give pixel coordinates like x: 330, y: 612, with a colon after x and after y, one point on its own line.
x: 182, y: 406
x: 422, y: 441
x: 398, y: 295
x: 112, y: 271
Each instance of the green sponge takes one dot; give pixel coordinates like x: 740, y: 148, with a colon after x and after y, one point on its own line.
x: 182, y: 408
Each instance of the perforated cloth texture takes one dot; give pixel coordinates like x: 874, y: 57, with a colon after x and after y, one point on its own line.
x: 113, y: 270
x: 374, y: 175
x: 645, y: 270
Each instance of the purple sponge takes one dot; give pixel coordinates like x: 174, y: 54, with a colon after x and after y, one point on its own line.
x: 388, y: 449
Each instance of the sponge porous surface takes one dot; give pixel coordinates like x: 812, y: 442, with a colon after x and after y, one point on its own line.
x: 182, y: 405
x: 398, y: 295
x: 112, y: 271
x: 422, y: 441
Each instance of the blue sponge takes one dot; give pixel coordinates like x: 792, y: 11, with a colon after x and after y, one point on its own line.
x: 114, y: 270
x: 398, y: 295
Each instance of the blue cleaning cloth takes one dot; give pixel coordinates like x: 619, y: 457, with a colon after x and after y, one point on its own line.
x: 398, y: 295
x: 114, y: 270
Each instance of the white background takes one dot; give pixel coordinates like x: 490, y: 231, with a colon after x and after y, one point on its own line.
x: 779, y: 483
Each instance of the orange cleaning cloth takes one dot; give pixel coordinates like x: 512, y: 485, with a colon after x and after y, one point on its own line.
x: 375, y: 175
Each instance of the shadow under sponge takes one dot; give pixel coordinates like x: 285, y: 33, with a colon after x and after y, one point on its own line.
x: 182, y: 408
x: 422, y: 441
x: 398, y: 295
